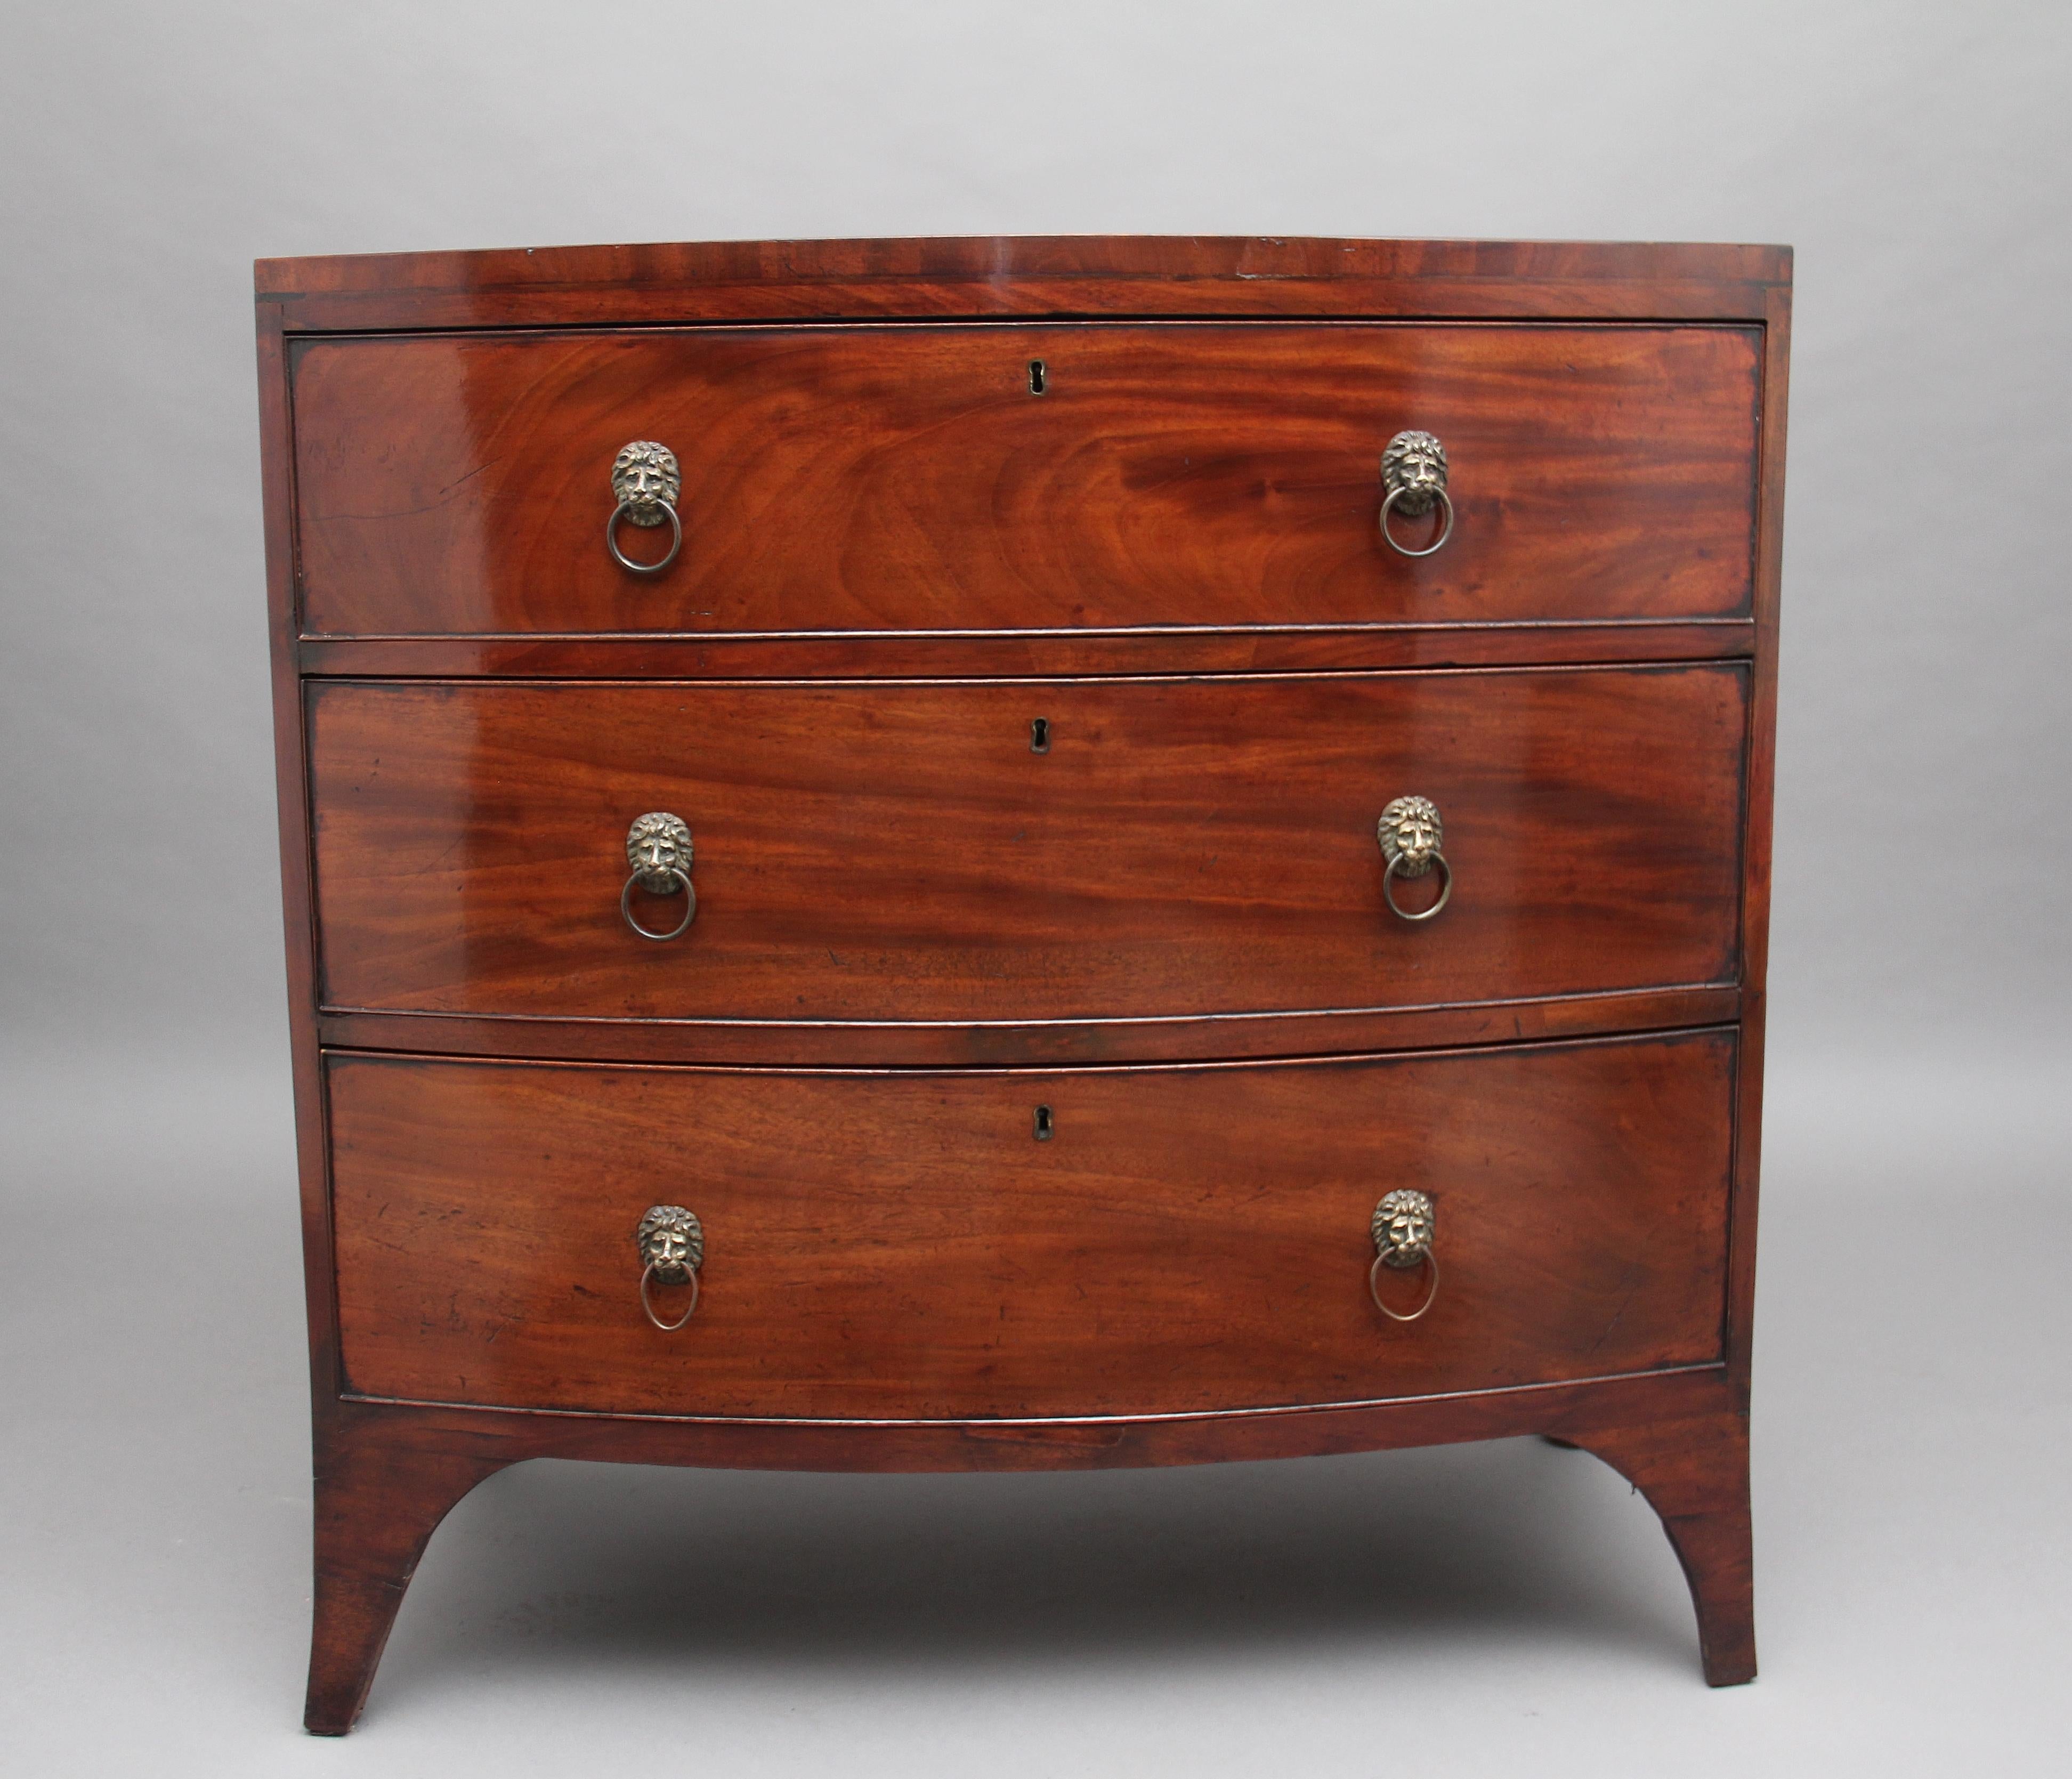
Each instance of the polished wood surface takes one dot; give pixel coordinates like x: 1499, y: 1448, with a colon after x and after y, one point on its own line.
x: 1225, y: 1036
x: 378, y: 1500
x: 993, y: 275
x: 1020, y: 654
x: 858, y: 478
x: 298, y: 898
x: 385, y: 1473
x: 1757, y: 809
x: 1694, y: 1470
x: 871, y: 852
x: 903, y: 1246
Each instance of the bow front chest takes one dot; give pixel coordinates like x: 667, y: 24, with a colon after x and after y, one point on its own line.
x: 972, y: 854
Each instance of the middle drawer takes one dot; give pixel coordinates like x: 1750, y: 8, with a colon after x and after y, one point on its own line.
x: 1012, y: 851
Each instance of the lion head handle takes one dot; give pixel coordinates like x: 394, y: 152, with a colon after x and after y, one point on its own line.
x: 1416, y: 462
x: 671, y: 1241
x: 656, y: 845
x: 1411, y: 835
x: 645, y: 479
x: 1403, y: 1227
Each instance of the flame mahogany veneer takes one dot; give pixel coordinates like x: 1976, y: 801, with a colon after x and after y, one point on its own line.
x: 871, y: 852
x: 896, y: 1246
x: 1164, y: 926
x: 900, y: 478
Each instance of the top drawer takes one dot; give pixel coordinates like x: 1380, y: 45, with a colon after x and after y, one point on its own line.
x: 911, y: 479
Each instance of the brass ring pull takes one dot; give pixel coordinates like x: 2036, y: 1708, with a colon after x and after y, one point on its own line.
x: 1397, y: 868
x: 1374, y: 1289
x: 1403, y: 494
x: 677, y: 880
x: 1411, y: 834
x: 645, y: 481
x: 627, y: 510
x: 1402, y: 1229
x: 1413, y: 470
x: 672, y: 1247
x: 647, y: 1303
x: 658, y: 847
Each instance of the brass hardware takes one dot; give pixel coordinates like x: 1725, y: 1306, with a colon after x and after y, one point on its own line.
x: 1038, y: 377
x: 672, y: 1242
x: 658, y: 847
x: 645, y: 481
x: 1411, y: 834
x: 1046, y: 1126
x: 1402, y: 1229
x: 1413, y: 470
x: 1039, y: 735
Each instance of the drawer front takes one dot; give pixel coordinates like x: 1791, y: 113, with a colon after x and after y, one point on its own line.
x: 906, y: 478
x: 901, y: 1246
x: 901, y: 853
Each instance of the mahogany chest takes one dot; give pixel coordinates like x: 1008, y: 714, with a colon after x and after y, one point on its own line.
x: 997, y: 854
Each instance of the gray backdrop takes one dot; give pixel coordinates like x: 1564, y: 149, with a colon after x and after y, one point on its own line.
x: 1451, y: 1612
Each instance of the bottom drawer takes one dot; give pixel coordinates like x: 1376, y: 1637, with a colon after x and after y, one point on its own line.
x: 905, y: 1247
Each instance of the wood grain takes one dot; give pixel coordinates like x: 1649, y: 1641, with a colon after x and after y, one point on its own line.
x: 871, y: 852
x: 853, y: 479
x: 1565, y: 1411
x: 1693, y: 1471
x: 1222, y: 1035
x: 902, y: 1246
x: 298, y: 894
x: 1022, y: 654
x: 1758, y: 817
x: 378, y: 1500
x: 385, y: 1472
x: 980, y: 276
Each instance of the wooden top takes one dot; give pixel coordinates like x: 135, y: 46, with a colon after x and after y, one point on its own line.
x: 979, y: 276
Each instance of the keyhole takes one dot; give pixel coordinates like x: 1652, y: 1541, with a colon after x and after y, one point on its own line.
x: 1039, y: 736
x: 1042, y: 1123
x: 1036, y: 375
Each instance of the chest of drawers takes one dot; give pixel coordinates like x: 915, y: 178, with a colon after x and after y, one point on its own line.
x: 924, y: 855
